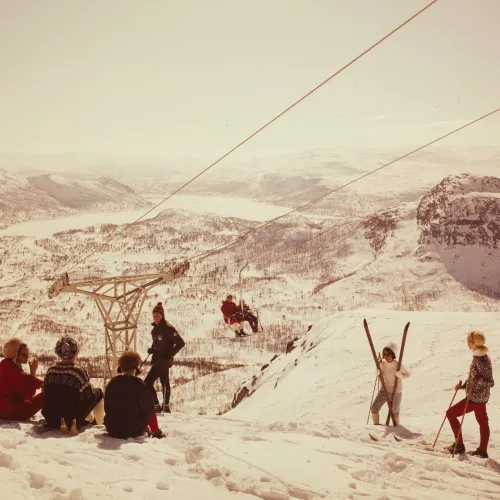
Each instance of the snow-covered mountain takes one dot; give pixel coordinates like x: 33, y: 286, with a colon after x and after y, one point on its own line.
x: 89, y: 194
x: 20, y: 200
x: 300, y: 413
x: 300, y: 177
x: 298, y: 271
x: 460, y: 223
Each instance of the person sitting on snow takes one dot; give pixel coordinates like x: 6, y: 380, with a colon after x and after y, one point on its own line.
x: 233, y: 316
x: 68, y: 393
x: 166, y: 344
x: 389, y: 370
x: 248, y: 316
x: 17, y: 388
x: 128, y: 403
x: 477, y: 386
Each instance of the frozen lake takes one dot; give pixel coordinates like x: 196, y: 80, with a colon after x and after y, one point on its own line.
x: 220, y: 205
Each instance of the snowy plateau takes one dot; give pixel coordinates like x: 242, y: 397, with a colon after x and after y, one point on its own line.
x: 283, y: 413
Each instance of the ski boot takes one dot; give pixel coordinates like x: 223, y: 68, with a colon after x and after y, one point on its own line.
x: 74, y: 430
x: 166, y: 409
x: 64, y: 427
x: 479, y: 453
x: 459, y: 451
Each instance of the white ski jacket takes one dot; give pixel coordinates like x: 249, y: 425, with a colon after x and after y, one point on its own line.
x: 389, y: 372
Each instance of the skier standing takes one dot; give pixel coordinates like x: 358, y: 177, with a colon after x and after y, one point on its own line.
x: 389, y: 370
x: 478, y: 386
x: 166, y: 344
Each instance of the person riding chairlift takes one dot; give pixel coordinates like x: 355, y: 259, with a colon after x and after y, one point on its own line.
x: 233, y: 316
x: 249, y: 316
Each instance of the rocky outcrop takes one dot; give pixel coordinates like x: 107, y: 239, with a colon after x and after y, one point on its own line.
x: 461, y: 210
x: 379, y: 226
x: 459, y: 222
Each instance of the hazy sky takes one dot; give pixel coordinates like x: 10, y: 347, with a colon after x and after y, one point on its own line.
x: 194, y: 77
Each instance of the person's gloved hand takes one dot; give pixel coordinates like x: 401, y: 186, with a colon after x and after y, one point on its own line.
x: 151, y: 350
x: 170, y: 362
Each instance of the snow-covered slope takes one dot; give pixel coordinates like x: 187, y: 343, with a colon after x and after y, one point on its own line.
x: 301, y: 435
x: 90, y: 194
x: 331, y: 370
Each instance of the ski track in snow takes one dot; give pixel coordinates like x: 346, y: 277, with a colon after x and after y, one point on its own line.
x: 206, y: 457
x: 301, y: 435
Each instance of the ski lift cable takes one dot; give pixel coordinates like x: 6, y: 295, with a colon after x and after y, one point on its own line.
x: 83, y: 259
x: 120, y: 232
x: 319, y: 198
x: 225, y: 246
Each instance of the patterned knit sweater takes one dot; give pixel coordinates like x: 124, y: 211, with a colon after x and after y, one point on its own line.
x: 72, y: 377
x: 481, y: 377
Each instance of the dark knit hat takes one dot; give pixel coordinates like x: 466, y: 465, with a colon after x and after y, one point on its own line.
x: 159, y: 308
x: 129, y: 360
x: 66, y: 347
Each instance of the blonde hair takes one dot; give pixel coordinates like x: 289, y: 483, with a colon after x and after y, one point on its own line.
x: 477, y: 338
x: 11, y: 348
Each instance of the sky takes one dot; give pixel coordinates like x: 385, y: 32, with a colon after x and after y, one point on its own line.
x: 192, y: 79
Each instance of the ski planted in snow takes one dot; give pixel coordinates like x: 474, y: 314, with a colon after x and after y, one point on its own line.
x: 400, y: 362
x: 382, y: 381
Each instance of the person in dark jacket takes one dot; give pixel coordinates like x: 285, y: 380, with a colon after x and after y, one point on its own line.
x: 249, y: 316
x: 69, y: 396
x: 166, y: 344
x: 128, y: 404
x: 477, y: 387
x: 17, y: 388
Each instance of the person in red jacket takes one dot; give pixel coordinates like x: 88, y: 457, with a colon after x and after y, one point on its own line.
x: 233, y: 316
x: 17, y: 388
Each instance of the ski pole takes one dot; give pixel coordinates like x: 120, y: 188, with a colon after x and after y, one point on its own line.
x: 444, y: 419
x: 463, y: 417
x: 165, y: 388
x: 145, y: 360
x: 373, y: 394
x: 371, y: 402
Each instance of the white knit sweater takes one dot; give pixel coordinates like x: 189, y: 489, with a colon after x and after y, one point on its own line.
x: 389, y: 373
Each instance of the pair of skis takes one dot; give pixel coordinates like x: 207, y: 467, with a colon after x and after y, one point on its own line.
x: 390, y: 402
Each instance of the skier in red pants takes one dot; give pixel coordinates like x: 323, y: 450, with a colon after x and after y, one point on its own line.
x: 478, y: 385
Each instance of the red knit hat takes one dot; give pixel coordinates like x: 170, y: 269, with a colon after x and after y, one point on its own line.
x: 159, y: 308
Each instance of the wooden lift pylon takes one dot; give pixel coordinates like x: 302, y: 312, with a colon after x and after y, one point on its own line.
x: 119, y: 300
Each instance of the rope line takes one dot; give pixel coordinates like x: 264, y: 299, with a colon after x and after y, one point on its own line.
x: 324, y: 82
x: 319, y: 198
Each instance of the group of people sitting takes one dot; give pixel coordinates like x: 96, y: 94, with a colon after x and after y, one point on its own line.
x: 235, y: 316
x: 67, y: 399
